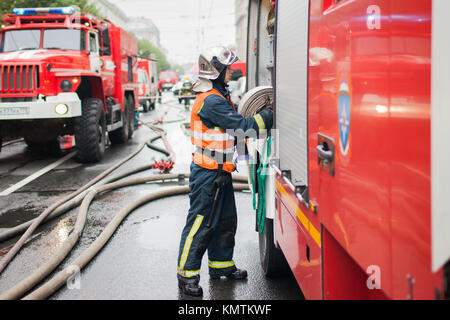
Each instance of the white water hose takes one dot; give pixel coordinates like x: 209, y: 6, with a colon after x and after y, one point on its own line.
x: 86, y: 194
x: 255, y: 100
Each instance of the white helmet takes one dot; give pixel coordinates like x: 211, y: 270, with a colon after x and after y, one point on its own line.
x: 211, y: 64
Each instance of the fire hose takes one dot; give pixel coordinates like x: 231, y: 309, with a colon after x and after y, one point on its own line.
x: 88, y: 193
x: 253, y: 102
x: 74, y: 199
x: 60, y: 278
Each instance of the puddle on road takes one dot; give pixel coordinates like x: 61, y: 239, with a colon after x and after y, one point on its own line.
x: 14, y: 217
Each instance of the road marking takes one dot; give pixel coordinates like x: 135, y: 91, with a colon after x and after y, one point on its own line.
x: 36, y: 175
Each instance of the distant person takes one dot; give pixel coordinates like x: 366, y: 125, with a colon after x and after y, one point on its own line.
x: 213, y: 115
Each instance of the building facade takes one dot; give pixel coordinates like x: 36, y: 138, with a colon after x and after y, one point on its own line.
x: 241, y: 10
x: 142, y: 28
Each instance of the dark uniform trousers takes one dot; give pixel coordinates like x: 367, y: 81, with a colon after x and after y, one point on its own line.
x: 220, y: 250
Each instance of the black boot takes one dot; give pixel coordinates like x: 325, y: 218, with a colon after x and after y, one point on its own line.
x: 190, y: 286
x: 238, y: 274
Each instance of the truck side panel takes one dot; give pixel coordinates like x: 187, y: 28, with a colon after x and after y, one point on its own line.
x: 368, y: 101
x: 299, y: 240
x: 124, y: 49
x: 347, y: 81
x: 371, y: 95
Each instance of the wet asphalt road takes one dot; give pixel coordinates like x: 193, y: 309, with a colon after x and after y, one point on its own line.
x: 139, y: 262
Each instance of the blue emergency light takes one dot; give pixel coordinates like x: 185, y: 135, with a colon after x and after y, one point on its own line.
x: 34, y: 11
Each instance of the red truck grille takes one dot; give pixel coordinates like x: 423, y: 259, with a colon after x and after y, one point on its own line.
x: 19, y: 79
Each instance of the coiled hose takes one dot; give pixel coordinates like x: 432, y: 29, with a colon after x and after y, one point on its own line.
x: 255, y: 100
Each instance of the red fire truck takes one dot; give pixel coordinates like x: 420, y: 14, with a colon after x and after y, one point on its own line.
x: 66, y: 73
x: 239, y: 70
x: 148, y: 83
x: 356, y: 199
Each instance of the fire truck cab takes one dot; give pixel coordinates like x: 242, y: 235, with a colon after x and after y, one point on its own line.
x: 66, y: 73
x: 356, y: 196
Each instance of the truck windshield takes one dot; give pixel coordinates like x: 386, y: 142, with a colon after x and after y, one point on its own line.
x: 16, y: 40
x: 64, y: 39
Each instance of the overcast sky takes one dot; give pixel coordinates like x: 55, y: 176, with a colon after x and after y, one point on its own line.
x: 186, y: 26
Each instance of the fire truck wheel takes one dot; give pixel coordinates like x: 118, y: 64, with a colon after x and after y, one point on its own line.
x: 146, y: 105
x: 121, y: 134
x: 90, y: 131
x: 272, y: 259
x: 131, y: 116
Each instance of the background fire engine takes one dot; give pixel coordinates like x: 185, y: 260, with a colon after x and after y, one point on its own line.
x: 148, y: 83
x: 357, y: 201
x: 66, y: 73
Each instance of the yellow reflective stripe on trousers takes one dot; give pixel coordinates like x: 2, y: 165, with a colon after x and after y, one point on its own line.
x: 220, y: 264
x: 188, y: 242
x: 188, y: 273
x: 259, y: 121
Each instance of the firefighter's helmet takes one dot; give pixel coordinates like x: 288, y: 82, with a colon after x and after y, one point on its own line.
x: 211, y: 64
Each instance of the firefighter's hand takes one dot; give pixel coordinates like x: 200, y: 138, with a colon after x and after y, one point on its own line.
x: 267, y: 116
x: 221, y: 181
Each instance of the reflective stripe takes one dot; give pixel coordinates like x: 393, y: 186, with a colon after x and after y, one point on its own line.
x: 188, y: 273
x: 200, y: 109
x: 259, y: 121
x: 220, y: 264
x: 212, y: 136
x: 188, y: 242
x: 221, y: 150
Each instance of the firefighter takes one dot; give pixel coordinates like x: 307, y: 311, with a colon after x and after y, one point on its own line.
x: 214, y: 119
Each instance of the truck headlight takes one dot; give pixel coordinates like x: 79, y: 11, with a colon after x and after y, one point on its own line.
x: 61, y: 109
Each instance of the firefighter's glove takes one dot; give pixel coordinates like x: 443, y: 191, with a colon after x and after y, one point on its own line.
x: 267, y: 116
x: 221, y: 181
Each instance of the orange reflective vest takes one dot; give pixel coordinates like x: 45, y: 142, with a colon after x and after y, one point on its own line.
x: 211, y: 144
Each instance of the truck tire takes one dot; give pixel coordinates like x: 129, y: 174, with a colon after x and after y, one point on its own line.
x: 272, y: 259
x: 131, y: 108
x: 90, y: 131
x: 153, y: 104
x: 121, y: 134
x: 146, y: 105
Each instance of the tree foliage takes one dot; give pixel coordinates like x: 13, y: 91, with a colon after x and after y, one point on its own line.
x: 147, y: 49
